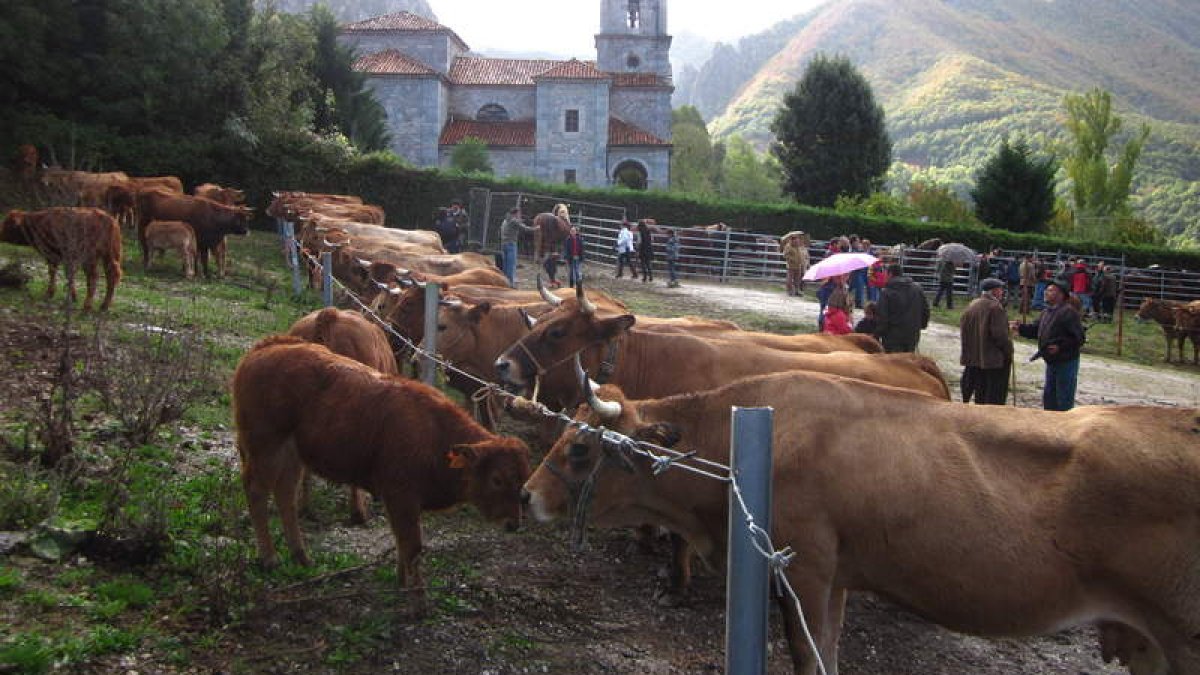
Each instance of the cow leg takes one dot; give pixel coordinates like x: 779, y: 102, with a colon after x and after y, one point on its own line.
x: 287, y: 499
x: 680, y: 579
x: 90, y: 273
x: 52, y: 268
x: 112, y: 277
x: 823, y: 606
x: 404, y: 516
x: 359, y: 509
x: 219, y: 253
x: 203, y: 250
x: 70, y: 270
x: 256, y: 478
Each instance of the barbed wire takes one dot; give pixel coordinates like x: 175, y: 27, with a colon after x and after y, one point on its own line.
x: 661, y: 458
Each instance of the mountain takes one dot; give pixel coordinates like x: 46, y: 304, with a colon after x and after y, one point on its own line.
x: 348, y: 11
x: 955, y: 76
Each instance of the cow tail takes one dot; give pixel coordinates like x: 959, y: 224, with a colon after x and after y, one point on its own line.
x: 325, y: 320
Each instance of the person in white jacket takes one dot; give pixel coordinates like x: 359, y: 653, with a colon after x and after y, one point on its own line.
x: 625, y: 251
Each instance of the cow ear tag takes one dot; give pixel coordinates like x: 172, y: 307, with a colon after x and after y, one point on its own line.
x: 457, y: 460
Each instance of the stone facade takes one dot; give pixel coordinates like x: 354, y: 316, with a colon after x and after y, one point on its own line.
x: 559, y: 121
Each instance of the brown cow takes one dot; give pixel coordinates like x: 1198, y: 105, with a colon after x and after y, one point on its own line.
x: 173, y: 235
x: 284, y: 204
x: 298, y: 405
x: 1006, y: 521
x: 224, y: 195
x: 1162, y: 312
x: 651, y: 364
x: 25, y: 163
x: 353, y: 336
x: 1187, y: 322
x: 209, y: 220
x: 73, y: 237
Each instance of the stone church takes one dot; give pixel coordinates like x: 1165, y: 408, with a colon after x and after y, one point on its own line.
x: 595, y: 123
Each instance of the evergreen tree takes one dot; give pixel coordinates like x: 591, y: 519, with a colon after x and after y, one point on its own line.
x: 1014, y: 191
x: 829, y: 135
x: 340, y: 99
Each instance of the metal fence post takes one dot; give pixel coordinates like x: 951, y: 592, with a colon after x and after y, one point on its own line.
x: 748, y: 582
x: 327, y: 278
x: 429, y: 344
x: 725, y: 260
x: 293, y: 260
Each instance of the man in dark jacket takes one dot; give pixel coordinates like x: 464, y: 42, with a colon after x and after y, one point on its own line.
x: 987, y: 347
x: 1059, y: 333
x: 903, y: 311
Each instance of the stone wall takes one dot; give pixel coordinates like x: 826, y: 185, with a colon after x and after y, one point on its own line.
x: 416, y: 110
x: 520, y: 102
x: 435, y: 50
x: 656, y: 161
x: 646, y: 107
x: 585, y: 150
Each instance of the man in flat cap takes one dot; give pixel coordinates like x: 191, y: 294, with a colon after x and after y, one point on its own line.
x: 1060, y: 336
x: 987, y: 347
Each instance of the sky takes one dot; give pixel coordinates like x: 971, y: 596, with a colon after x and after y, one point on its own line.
x: 567, y: 27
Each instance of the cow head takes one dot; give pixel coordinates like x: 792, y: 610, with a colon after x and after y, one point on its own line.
x: 582, y: 454
x: 12, y: 230
x: 546, y: 351
x: 494, y: 470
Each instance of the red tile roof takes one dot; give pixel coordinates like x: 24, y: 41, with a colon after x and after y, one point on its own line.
x: 573, y: 70
x: 637, y: 80
x: 478, y: 70
x: 391, y: 62
x: 509, y: 134
x: 621, y: 132
x: 400, y: 22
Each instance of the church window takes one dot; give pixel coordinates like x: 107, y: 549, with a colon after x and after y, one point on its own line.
x: 492, y: 112
x: 633, y: 61
x: 569, y: 176
x: 571, y: 121
x: 635, y: 13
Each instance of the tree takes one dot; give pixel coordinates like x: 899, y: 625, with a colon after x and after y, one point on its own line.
x: 746, y: 175
x: 692, y: 155
x: 1014, y: 191
x: 829, y: 135
x: 1099, y: 190
x: 341, y: 100
x: 471, y: 155
x: 939, y: 204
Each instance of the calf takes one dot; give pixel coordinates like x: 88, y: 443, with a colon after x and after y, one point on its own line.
x: 174, y: 235
x: 210, y: 221
x: 298, y: 405
x: 353, y: 336
x: 72, y: 236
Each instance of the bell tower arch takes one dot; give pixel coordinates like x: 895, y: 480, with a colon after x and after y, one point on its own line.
x: 633, y: 38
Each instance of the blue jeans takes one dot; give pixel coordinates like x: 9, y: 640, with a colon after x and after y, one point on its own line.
x: 672, y: 273
x: 1059, y: 390
x: 575, y: 273
x: 509, y: 253
x: 858, y: 285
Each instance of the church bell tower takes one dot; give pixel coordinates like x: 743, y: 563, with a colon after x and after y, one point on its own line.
x: 633, y: 38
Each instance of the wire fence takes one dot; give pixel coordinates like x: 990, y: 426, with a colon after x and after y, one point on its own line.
x: 660, y: 458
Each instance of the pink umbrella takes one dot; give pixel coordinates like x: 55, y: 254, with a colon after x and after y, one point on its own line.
x: 839, y: 263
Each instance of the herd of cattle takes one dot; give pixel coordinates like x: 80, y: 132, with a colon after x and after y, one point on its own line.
x: 988, y: 520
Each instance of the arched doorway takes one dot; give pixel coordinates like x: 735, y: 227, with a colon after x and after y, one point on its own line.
x: 630, y: 174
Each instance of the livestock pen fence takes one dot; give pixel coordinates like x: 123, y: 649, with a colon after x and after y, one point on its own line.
x: 753, y: 560
x: 728, y: 255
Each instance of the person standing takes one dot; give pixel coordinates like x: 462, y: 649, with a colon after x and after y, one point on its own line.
x: 1060, y: 336
x: 987, y: 347
x: 1029, y: 279
x: 903, y: 311
x: 625, y: 250
x: 1081, y: 285
x: 672, y: 252
x: 795, y: 256
x: 573, y: 252
x: 870, y: 320
x: 510, y: 231
x: 877, y: 278
x: 462, y: 222
x: 837, y: 309
x: 646, y: 251
x: 945, y: 273
x: 1104, y: 292
x: 446, y: 227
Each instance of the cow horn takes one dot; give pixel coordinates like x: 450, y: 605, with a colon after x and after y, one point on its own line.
x: 607, y: 410
x: 530, y: 321
x: 330, y: 244
x: 585, y: 305
x: 394, y: 291
x: 363, y: 262
x: 550, y: 298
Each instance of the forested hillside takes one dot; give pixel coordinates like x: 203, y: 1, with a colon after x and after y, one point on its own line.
x: 956, y: 76
x: 357, y: 10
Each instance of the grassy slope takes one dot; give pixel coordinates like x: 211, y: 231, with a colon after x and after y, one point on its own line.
x: 954, y: 80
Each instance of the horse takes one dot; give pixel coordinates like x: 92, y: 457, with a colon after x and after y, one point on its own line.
x: 552, y: 230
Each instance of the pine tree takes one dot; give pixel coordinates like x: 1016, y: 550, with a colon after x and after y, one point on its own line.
x: 1014, y: 191
x: 830, y: 137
